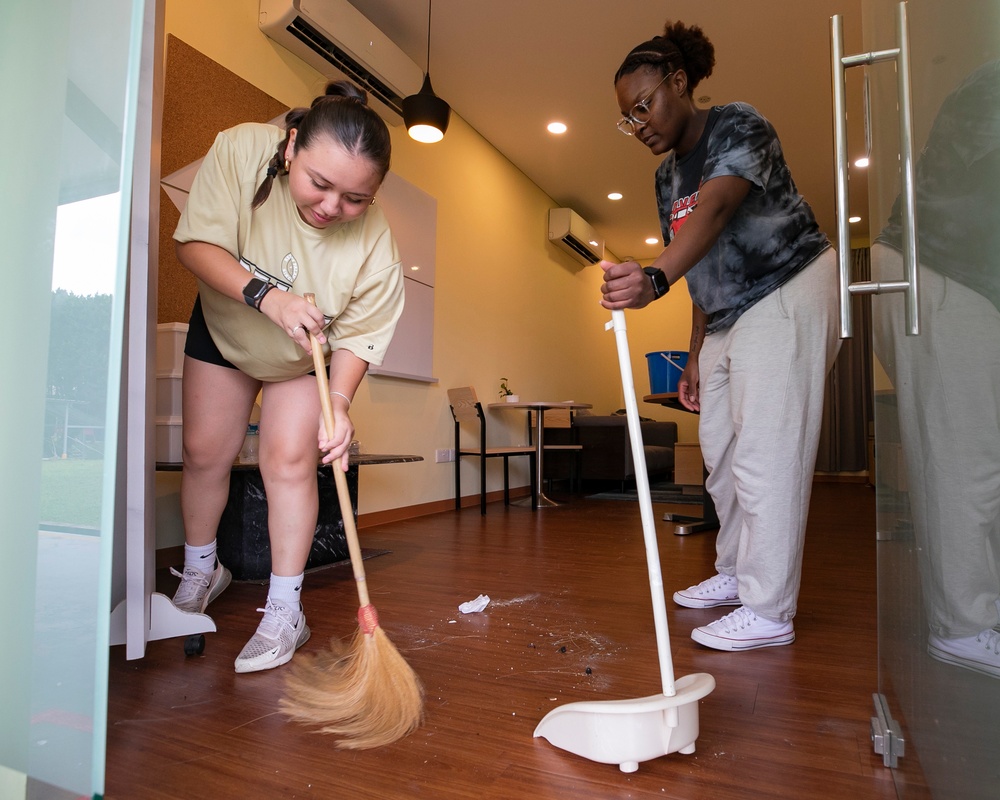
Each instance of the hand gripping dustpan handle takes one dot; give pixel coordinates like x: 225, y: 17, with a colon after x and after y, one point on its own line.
x: 645, y: 504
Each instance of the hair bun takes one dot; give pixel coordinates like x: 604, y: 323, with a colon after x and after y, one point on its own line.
x: 346, y: 89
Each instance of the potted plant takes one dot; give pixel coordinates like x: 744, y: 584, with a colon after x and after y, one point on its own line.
x: 506, y: 394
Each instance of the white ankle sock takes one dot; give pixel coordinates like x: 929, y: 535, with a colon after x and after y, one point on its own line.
x: 201, y: 558
x: 286, y: 591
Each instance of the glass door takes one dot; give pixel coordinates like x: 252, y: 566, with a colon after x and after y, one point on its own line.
x: 937, y: 435
x: 69, y: 71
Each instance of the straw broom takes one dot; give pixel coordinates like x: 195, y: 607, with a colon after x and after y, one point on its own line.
x: 365, y: 692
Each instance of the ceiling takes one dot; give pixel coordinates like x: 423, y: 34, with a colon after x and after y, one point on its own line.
x: 509, y: 68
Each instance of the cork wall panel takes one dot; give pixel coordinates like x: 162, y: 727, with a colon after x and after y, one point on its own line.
x: 200, y: 98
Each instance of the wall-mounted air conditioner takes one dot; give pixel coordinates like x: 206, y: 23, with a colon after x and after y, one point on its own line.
x: 570, y: 231
x: 336, y: 39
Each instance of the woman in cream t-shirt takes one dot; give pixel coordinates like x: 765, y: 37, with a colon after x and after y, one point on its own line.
x: 274, y: 215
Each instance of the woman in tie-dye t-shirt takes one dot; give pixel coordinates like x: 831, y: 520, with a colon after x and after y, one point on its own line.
x: 762, y: 280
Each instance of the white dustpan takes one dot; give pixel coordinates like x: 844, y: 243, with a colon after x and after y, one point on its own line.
x: 625, y: 732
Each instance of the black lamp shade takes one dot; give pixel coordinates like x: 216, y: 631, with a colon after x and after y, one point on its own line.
x: 425, y: 114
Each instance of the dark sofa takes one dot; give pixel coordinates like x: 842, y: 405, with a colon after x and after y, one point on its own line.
x: 607, y: 450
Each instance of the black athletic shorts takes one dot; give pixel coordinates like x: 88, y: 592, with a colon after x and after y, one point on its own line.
x: 199, y: 344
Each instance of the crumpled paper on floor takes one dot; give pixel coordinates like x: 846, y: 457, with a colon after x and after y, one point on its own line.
x: 472, y: 606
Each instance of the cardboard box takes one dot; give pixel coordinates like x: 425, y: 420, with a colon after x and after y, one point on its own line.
x: 689, y: 469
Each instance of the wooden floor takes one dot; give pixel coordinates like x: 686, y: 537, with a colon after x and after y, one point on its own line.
x: 569, y: 592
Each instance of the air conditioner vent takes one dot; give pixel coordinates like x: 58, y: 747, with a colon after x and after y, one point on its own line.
x: 580, y: 249
x: 572, y: 233
x: 338, y: 41
x: 318, y: 43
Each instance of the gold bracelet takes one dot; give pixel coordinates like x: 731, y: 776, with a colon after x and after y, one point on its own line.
x: 348, y: 399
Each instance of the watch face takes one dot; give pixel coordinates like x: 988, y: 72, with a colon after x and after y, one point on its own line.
x: 254, y: 291
x: 659, y: 281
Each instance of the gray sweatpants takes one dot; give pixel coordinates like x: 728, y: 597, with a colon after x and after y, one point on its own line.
x: 947, y: 382
x: 762, y: 384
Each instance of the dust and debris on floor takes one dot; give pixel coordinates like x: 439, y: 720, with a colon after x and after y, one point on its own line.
x: 532, y: 644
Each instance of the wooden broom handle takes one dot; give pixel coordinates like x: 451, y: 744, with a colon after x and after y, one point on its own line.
x: 343, y: 493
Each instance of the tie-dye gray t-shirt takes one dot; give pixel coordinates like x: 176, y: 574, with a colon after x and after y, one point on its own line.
x: 958, y: 188
x: 773, y: 233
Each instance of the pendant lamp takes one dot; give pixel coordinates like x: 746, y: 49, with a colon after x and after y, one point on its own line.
x: 424, y: 113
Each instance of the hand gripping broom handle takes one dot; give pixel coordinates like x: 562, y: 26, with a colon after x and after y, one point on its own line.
x: 343, y: 493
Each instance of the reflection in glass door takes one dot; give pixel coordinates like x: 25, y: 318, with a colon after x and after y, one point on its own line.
x: 937, y: 412
x: 69, y: 71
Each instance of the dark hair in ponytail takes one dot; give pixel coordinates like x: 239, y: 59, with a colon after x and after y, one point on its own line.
x: 680, y: 47
x: 343, y: 114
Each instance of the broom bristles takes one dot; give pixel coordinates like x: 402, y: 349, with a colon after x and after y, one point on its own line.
x: 367, y: 694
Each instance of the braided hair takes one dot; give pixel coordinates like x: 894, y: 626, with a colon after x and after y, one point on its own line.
x: 680, y: 47
x: 341, y: 113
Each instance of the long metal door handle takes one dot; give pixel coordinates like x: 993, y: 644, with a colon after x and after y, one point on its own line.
x: 908, y: 190
x: 839, y: 72
x: 909, y: 284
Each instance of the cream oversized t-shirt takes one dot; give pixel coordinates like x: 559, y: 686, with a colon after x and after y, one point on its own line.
x: 353, y: 268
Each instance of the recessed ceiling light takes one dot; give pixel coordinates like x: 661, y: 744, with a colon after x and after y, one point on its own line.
x: 615, y: 196
x: 414, y: 268
x: 854, y: 219
x: 652, y: 240
x: 861, y: 162
x: 557, y: 127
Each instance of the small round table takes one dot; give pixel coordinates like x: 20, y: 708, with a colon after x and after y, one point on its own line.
x: 539, y: 406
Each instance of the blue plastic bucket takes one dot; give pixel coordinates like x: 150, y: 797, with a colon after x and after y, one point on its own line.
x: 665, y: 368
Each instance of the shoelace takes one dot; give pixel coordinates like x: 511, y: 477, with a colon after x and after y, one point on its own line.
x: 192, y: 580
x: 739, y: 619
x: 718, y: 582
x: 992, y: 640
x: 276, y: 618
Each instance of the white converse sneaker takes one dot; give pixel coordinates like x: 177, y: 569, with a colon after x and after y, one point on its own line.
x: 980, y: 653
x: 197, y: 589
x: 719, y: 590
x: 276, y: 640
x: 742, y: 629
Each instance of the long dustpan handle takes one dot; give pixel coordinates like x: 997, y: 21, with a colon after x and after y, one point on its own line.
x: 645, y: 503
x: 343, y: 493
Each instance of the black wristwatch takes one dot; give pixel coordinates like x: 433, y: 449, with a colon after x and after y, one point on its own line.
x: 255, y: 290
x: 659, y: 281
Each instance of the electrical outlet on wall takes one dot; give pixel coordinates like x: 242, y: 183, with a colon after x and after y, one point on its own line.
x: 442, y: 456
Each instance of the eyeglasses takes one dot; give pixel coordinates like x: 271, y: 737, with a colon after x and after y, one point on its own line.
x: 639, y: 113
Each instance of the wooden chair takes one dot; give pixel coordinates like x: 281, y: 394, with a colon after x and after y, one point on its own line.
x: 561, y: 445
x: 465, y: 407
